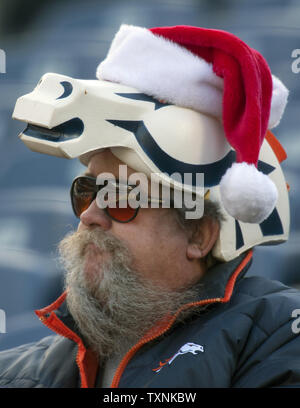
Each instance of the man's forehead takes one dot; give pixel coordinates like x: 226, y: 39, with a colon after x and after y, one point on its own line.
x: 106, y: 162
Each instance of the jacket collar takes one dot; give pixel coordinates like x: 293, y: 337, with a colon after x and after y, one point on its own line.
x: 217, y: 280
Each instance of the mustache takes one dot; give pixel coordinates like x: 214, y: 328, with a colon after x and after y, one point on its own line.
x: 77, y: 242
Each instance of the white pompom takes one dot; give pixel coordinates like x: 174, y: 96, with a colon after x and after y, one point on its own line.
x: 247, y: 194
x: 278, y: 103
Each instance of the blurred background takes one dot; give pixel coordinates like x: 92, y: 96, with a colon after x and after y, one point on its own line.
x: 71, y: 37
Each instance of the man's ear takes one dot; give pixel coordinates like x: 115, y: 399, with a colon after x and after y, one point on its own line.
x: 203, y: 240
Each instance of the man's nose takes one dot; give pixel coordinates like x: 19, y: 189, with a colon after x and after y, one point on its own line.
x: 94, y: 216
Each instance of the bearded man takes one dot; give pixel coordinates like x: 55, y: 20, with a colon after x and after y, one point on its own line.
x: 156, y: 294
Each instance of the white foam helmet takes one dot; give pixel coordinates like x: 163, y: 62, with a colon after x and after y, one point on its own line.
x: 75, y: 118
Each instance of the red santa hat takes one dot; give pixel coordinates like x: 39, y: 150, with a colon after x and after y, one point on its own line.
x: 213, y: 72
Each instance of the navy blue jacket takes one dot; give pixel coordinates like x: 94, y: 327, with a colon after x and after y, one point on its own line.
x: 246, y: 337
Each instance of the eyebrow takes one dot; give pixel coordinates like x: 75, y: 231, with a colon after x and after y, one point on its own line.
x: 89, y: 174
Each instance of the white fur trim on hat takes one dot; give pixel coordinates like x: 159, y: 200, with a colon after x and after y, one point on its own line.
x: 278, y: 102
x: 162, y: 69
x: 247, y: 194
x: 168, y: 71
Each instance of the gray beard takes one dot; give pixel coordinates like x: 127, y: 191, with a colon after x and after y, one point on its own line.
x: 113, y: 306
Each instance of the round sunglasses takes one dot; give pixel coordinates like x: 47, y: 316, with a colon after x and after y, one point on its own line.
x: 84, y: 191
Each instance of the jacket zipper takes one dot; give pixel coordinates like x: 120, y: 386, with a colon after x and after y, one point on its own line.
x: 146, y: 339
x: 73, y: 337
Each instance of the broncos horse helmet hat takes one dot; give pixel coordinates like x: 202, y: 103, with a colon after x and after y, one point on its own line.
x: 177, y: 100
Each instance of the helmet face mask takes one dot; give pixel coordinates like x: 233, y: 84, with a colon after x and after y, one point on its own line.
x: 74, y: 118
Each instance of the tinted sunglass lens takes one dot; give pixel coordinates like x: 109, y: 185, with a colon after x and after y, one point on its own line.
x: 84, y: 191
x: 80, y: 204
x: 82, y: 195
x: 122, y: 214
